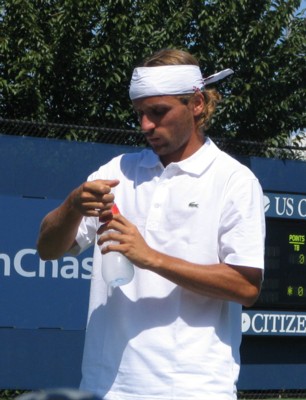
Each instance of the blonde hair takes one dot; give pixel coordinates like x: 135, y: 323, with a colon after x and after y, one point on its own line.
x: 181, y: 57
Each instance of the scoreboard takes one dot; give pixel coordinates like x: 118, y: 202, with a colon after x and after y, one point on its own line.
x: 273, y: 350
x: 284, y: 286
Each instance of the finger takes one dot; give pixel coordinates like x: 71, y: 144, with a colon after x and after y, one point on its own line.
x: 111, y: 247
x: 111, y: 236
x: 103, y: 204
x: 105, y: 215
x: 118, y: 226
x: 119, y: 221
x: 109, y: 223
x: 100, y: 186
x: 90, y: 213
x: 105, y: 226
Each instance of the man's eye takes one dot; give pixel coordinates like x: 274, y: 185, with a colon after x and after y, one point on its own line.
x: 154, y: 113
x: 158, y: 112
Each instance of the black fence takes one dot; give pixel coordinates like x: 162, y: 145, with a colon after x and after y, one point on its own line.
x: 137, y: 139
x: 272, y: 394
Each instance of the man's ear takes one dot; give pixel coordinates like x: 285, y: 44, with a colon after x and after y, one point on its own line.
x: 198, y: 104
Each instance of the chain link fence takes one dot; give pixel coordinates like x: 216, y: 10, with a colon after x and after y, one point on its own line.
x: 136, y: 138
x: 272, y: 394
x: 254, y: 395
x: 293, y: 395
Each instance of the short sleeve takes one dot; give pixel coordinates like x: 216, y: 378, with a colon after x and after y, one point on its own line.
x: 86, y: 233
x: 242, y: 225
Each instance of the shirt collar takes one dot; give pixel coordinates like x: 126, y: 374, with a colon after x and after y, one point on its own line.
x: 149, y: 159
x: 196, y: 164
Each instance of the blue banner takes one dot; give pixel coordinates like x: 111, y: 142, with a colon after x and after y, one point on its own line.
x: 36, y: 293
x: 285, y: 205
x: 273, y: 323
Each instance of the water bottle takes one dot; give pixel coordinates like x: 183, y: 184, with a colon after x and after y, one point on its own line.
x: 117, y: 270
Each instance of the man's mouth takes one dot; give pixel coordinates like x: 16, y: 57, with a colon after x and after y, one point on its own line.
x: 154, y: 141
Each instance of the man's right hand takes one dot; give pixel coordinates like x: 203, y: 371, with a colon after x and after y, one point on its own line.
x: 59, y: 228
x: 94, y: 199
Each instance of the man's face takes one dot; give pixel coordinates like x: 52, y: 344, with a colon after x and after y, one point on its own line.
x: 169, y: 125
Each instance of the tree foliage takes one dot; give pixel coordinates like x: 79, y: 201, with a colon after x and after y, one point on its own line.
x: 70, y: 61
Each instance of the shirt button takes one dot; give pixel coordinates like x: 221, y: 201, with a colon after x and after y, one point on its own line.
x: 152, y: 225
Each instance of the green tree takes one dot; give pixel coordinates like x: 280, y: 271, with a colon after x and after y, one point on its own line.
x: 70, y: 62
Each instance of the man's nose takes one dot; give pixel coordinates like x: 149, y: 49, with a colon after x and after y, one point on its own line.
x: 146, y: 123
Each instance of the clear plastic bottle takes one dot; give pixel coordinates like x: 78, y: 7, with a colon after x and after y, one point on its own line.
x: 117, y: 270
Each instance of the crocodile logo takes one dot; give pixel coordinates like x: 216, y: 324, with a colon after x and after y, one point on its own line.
x: 193, y: 204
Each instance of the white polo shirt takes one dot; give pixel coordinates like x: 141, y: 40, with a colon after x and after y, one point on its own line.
x: 153, y: 339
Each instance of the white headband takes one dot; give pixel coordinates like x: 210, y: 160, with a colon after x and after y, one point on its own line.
x: 170, y: 80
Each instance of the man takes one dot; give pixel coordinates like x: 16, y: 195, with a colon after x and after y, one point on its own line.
x: 192, y: 224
